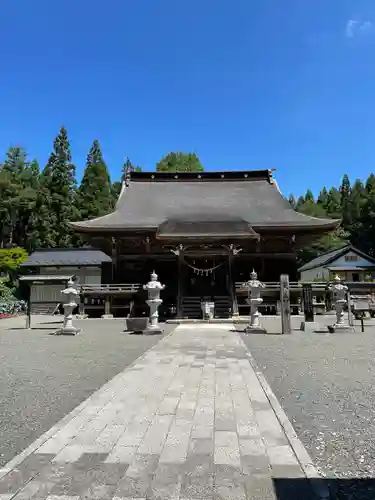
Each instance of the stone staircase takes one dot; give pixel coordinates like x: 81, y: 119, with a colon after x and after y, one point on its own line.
x: 191, y: 308
x: 223, y: 306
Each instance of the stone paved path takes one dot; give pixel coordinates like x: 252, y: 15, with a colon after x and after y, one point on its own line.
x: 188, y: 420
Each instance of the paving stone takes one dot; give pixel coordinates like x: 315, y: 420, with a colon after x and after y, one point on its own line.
x: 229, y: 492
x: 197, y: 486
x: 142, y: 466
x: 62, y: 497
x: 260, y: 487
x: 252, y: 447
x: 202, y: 432
x: 122, y: 454
x: 201, y: 446
x: 156, y: 435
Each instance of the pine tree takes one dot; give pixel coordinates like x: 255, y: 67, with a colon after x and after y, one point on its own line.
x: 55, y: 204
x: 367, y: 219
x: 95, y: 194
x: 19, y: 192
x: 292, y: 201
x: 345, y: 191
x: 323, y: 197
x: 333, y: 204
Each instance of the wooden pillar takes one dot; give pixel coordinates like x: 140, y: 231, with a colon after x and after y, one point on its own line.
x: 81, y: 304
x: 232, y: 285
x: 114, y: 259
x: 179, y: 286
x: 286, y: 326
x: 107, y: 308
x: 28, y: 315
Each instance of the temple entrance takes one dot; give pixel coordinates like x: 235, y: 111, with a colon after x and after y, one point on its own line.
x: 206, y: 278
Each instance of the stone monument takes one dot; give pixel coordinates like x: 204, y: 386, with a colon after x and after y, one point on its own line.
x: 153, y: 288
x: 70, y: 295
x: 254, y: 287
x: 339, y: 291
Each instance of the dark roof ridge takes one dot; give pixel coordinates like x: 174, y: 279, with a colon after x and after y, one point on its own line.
x: 222, y: 175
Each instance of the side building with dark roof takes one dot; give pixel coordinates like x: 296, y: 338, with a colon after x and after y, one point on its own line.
x: 47, y: 271
x: 347, y: 262
x: 202, y: 233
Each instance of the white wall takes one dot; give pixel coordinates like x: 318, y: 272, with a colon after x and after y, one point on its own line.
x: 314, y: 274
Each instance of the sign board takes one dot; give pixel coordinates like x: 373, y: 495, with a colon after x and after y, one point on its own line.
x: 286, y: 326
x: 308, y: 306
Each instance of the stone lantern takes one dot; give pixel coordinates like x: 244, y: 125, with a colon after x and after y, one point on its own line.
x: 254, y: 287
x: 339, y: 291
x: 153, y: 288
x: 70, y: 295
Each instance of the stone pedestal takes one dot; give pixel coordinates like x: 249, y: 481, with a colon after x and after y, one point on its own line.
x: 311, y: 327
x: 70, y: 293
x: 254, y: 287
x: 153, y: 288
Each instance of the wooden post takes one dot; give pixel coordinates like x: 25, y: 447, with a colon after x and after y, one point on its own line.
x: 81, y: 305
x: 286, y: 326
x: 308, y: 306
x: 179, y: 286
x: 114, y: 259
x: 28, y: 314
x: 350, y: 314
x: 232, y: 287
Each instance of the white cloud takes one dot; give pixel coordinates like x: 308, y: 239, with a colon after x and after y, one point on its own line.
x: 355, y: 27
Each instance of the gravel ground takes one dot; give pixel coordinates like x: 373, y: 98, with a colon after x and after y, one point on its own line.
x: 326, y: 384
x: 43, y: 377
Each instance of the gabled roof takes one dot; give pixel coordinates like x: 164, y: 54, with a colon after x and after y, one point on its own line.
x: 66, y: 257
x: 152, y: 198
x: 332, y: 255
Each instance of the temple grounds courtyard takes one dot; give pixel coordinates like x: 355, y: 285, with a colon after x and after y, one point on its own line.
x: 207, y: 390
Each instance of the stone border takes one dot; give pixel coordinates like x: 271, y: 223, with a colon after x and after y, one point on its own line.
x: 317, y: 483
x: 14, y: 462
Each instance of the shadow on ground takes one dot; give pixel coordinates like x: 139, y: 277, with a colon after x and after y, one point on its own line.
x: 339, y: 489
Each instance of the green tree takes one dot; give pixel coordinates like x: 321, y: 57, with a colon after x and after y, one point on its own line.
x: 292, y: 201
x: 56, y: 199
x: 179, y: 162
x: 366, y: 238
x: 333, y: 204
x: 19, y: 182
x: 346, y: 212
x: 323, y: 197
x: 95, y: 194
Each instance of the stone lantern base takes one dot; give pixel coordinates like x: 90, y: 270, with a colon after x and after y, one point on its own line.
x: 340, y: 328
x: 255, y: 329
x: 152, y: 330
x: 67, y: 330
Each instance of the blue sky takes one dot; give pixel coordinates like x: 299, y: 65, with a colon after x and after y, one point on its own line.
x: 285, y: 84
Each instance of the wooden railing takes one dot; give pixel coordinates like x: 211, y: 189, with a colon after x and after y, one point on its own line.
x: 109, y: 289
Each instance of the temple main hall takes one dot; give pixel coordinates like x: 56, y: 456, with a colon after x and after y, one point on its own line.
x: 203, y: 233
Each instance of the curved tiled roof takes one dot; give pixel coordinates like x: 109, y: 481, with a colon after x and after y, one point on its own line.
x: 152, y: 198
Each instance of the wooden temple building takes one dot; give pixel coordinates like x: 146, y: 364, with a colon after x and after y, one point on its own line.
x: 203, y: 233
